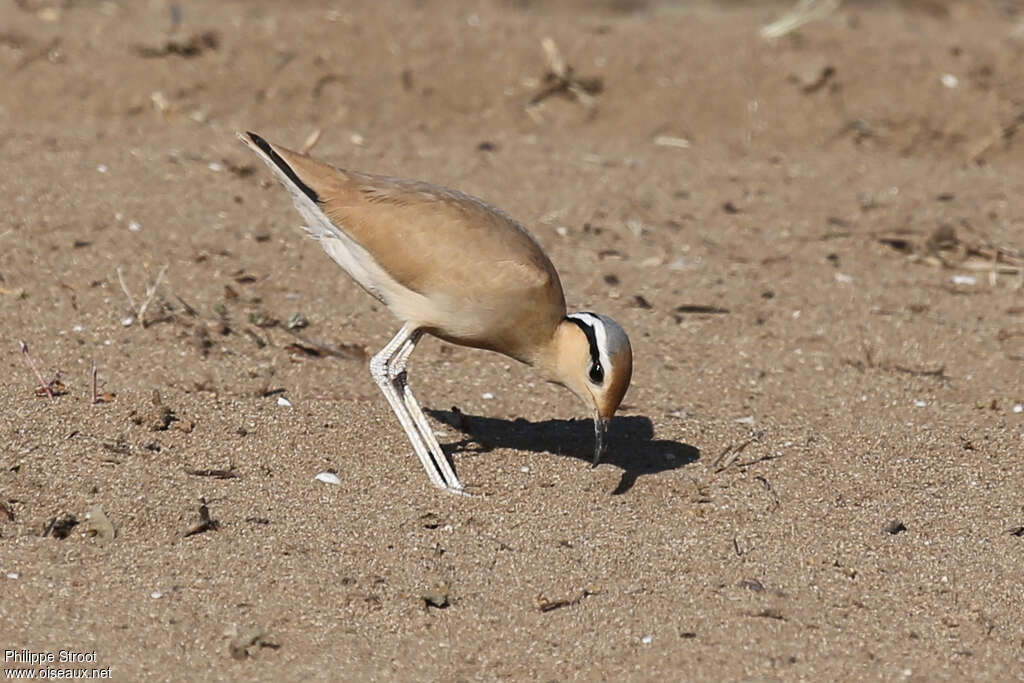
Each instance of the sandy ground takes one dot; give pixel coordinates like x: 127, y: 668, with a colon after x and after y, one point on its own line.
x: 814, y: 243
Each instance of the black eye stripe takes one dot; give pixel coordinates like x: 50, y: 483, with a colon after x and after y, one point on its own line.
x: 595, y: 355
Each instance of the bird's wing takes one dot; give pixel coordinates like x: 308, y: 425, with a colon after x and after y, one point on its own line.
x: 432, y: 240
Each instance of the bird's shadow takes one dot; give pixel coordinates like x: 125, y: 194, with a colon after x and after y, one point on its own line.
x: 632, y: 447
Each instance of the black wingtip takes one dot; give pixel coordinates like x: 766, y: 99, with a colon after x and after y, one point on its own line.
x: 283, y: 165
x: 259, y: 142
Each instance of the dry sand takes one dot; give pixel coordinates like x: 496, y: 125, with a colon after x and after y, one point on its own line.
x: 818, y: 471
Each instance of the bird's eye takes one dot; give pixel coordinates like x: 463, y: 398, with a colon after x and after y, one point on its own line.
x: 596, y: 373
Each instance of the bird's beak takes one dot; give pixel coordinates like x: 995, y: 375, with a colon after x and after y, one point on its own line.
x: 600, y: 438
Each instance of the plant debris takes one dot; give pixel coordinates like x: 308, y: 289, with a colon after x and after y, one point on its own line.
x: 869, y: 362
x: 241, y: 644
x: 119, y: 446
x: 158, y: 418
x: 701, y: 308
x: 229, y: 473
x: 263, y: 320
x: 894, y: 527
x: 545, y: 604
x: 803, y: 12
x: 297, y: 322
x: 193, y: 46
x: 205, y: 523
x: 732, y: 453
x: 560, y: 79
x: 139, y: 313
x: 437, y: 597
x: 640, y: 302
x: 60, y: 527
x: 105, y: 397
x: 308, y: 347
x: 52, y: 388
x: 946, y: 248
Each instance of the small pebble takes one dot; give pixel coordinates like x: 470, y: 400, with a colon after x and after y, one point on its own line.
x: 748, y: 420
x: 950, y: 81
x: 844, y: 278
x: 102, y: 168
x: 647, y: 640
x: 920, y: 404
x: 13, y: 575
x: 156, y: 595
x: 487, y: 396
x: 134, y: 226
x: 328, y: 478
x: 215, y: 167
x: 525, y: 469
x: 282, y: 401
x: 1018, y: 408
x: 965, y: 280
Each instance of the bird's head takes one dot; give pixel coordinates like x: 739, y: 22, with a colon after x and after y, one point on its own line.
x: 594, y: 360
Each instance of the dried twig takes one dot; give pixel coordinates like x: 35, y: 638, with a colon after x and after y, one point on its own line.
x: 732, y: 453
x: 140, y: 311
x: 938, y: 373
x: 32, y: 364
x: 946, y: 248
x: 124, y: 288
x: 205, y: 523
x: 547, y: 605
x: 188, y: 309
x: 804, y: 12
x: 97, y: 397
x: 560, y: 79
x: 310, y: 142
x: 150, y: 293
x: 228, y: 473
x: 769, y: 490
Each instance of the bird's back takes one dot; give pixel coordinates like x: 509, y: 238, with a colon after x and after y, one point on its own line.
x: 460, y: 268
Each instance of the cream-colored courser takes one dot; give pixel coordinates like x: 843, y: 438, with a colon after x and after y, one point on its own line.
x: 450, y: 265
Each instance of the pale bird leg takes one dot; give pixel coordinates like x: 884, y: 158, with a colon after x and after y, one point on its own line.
x: 381, y: 371
x: 400, y: 380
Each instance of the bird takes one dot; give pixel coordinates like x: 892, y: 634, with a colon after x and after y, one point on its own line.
x: 452, y: 266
